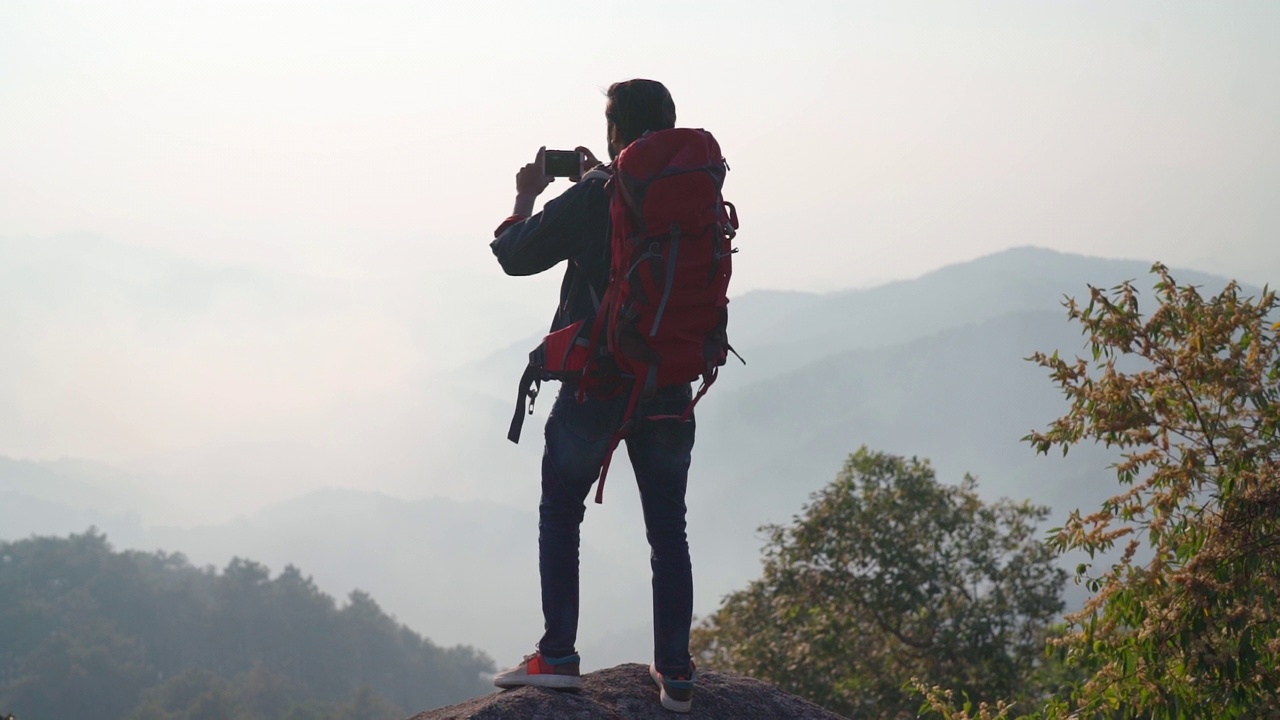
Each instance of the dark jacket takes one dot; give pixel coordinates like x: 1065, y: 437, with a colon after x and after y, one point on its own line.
x: 572, y: 227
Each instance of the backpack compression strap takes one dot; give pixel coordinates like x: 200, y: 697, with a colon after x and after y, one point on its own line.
x: 530, y: 384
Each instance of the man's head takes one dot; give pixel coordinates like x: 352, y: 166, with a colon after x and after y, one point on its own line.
x: 636, y: 107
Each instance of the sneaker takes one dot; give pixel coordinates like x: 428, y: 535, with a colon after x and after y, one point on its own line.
x: 676, y: 692
x: 537, y: 669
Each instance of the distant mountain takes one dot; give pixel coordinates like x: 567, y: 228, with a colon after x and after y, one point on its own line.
x: 108, y: 348
x: 781, y: 331
x: 66, y: 496
x: 78, y: 274
x: 933, y: 367
x: 791, y: 332
x: 115, y: 351
x: 962, y: 398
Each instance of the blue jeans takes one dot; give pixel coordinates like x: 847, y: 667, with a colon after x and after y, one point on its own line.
x: 577, y: 436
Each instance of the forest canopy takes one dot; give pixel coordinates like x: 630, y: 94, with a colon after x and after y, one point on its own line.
x: 87, y: 631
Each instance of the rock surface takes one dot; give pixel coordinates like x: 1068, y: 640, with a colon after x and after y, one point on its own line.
x: 626, y: 692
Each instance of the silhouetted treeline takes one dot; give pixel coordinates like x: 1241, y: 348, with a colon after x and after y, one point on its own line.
x: 87, y: 632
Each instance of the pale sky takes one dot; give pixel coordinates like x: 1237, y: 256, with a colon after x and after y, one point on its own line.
x: 372, y: 146
x: 868, y: 140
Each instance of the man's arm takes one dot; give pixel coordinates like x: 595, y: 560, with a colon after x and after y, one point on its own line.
x: 533, y: 244
x: 526, y: 244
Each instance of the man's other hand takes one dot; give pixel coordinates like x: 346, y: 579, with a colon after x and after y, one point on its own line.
x: 589, y: 163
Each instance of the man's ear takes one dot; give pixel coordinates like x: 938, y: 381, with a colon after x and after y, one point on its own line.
x: 614, y: 145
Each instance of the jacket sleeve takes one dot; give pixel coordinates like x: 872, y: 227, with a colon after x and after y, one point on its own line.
x: 526, y: 246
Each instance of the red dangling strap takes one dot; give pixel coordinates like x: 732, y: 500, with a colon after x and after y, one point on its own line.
x: 627, y: 419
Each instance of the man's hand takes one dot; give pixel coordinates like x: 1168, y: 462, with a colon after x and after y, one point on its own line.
x: 589, y: 163
x: 531, y: 180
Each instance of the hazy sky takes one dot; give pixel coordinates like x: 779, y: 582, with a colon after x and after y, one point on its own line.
x: 867, y: 140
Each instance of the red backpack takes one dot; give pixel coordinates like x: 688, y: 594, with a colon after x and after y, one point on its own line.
x: 663, y: 318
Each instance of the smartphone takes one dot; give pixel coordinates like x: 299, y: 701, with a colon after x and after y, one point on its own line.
x: 562, y: 163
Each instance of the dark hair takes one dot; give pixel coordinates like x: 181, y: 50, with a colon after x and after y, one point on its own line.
x: 639, y: 106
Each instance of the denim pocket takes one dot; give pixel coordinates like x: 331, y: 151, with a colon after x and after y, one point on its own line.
x: 670, y: 432
x: 673, y: 433
x: 591, y: 422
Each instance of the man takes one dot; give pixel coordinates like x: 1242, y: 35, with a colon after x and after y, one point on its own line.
x: 575, y: 228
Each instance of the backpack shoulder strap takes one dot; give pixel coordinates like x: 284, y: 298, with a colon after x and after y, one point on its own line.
x: 602, y: 172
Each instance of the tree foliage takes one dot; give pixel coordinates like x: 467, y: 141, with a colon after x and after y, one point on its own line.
x: 888, y: 575
x: 1186, y: 622
x: 86, y: 631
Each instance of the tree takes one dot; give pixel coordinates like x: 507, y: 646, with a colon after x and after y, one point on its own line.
x: 888, y: 575
x: 89, y: 670
x: 192, y: 694
x: 89, y: 632
x: 1186, y: 622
